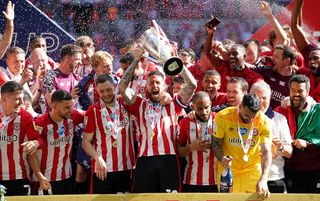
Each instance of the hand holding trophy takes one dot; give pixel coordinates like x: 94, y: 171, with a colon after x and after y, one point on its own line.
x: 162, y: 52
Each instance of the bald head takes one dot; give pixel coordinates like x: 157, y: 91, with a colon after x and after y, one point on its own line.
x: 38, y: 58
x: 200, y: 95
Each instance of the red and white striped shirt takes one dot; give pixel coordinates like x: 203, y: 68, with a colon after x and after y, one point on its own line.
x: 160, y: 139
x: 201, y: 166
x: 117, y: 149
x: 55, y: 156
x: 13, y: 161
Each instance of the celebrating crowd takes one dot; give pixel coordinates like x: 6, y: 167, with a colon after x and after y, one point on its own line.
x: 77, y: 126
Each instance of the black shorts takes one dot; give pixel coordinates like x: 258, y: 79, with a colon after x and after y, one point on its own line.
x: 277, y: 186
x: 116, y: 182
x: 156, y: 174
x: 17, y: 187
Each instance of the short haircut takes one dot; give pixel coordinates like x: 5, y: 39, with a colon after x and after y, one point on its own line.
x: 261, y: 85
x: 155, y: 72
x: 104, y: 78
x: 11, y: 87
x: 190, y: 51
x: 15, y: 50
x: 252, y: 41
x: 97, y: 56
x: 34, y: 42
x: 200, y: 95
x: 60, y: 95
x: 288, y: 52
x: 84, y: 41
x: 69, y: 50
x: 227, y: 44
x: 300, y: 79
x: 243, y: 83
x: 316, y: 49
x: 212, y: 73
x: 252, y: 102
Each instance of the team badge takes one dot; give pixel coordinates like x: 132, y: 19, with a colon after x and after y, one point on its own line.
x: 16, y: 126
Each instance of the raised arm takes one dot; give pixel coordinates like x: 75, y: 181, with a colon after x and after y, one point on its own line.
x: 190, y: 86
x: 128, y: 95
x: 215, y: 61
x: 281, y: 35
x: 8, y: 32
x: 298, y: 33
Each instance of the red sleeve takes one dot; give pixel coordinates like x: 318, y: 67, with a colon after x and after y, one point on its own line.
x: 31, y: 129
x: 134, y: 108
x: 183, y: 131
x: 89, y: 121
x: 77, y: 116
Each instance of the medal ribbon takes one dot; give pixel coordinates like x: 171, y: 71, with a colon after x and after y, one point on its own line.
x: 112, y: 125
x: 206, y: 135
x: 245, y: 144
x: 153, y: 115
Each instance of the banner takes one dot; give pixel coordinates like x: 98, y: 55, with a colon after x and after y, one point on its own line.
x: 29, y: 22
x: 310, y: 21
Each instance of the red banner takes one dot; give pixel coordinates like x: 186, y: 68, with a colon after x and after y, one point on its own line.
x: 310, y: 21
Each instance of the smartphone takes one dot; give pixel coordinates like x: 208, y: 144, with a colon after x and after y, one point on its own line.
x: 213, y: 22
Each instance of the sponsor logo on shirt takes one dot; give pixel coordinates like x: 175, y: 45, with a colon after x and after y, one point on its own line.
x: 8, y: 139
x: 61, y: 141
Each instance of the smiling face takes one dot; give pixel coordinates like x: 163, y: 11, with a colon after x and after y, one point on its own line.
x: 298, y: 94
x: 236, y: 58
x: 314, y: 62
x: 211, y: 84
x: 106, y: 91
x: 234, y: 93
x: 155, y: 87
x: 12, y: 101
x: 16, y: 62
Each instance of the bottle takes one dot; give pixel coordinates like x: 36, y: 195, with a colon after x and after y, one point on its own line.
x: 226, y: 181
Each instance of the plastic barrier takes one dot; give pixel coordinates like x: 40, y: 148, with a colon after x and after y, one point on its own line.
x: 169, y: 197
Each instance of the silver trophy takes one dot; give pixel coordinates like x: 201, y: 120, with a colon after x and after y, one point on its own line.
x: 2, y: 192
x: 156, y: 43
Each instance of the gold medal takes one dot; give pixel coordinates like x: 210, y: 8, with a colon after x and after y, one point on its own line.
x: 115, y: 144
x: 245, y: 158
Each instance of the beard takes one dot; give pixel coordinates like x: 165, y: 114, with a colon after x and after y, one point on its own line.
x: 64, y: 116
x: 203, y: 118
x: 300, y: 103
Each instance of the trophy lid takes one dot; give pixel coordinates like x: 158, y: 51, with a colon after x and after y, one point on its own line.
x: 173, y: 66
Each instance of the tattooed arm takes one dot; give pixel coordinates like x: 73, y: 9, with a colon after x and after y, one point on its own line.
x: 218, y: 152
x: 186, y: 92
x: 128, y: 95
